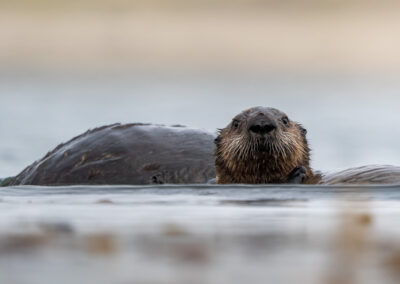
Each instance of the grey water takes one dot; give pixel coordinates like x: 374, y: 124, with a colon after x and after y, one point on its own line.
x: 200, y: 233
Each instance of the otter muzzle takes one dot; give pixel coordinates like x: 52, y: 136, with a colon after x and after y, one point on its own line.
x: 261, y: 127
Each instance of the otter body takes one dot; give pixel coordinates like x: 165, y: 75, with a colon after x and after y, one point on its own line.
x: 261, y: 145
x: 370, y: 174
x: 126, y: 154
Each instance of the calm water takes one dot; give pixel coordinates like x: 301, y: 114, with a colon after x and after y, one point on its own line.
x: 200, y: 234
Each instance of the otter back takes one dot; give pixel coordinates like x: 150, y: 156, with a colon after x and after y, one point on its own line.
x: 371, y: 174
x: 127, y: 154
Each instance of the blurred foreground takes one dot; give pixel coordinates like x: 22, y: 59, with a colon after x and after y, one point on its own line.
x: 202, y: 234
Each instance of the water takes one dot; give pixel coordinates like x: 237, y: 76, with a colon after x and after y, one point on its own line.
x: 199, y: 234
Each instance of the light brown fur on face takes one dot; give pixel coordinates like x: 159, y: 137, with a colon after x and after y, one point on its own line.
x: 244, y: 156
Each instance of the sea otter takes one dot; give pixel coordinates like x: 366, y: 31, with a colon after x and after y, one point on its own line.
x: 262, y: 145
x: 126, y: 154
x: 131, y: 154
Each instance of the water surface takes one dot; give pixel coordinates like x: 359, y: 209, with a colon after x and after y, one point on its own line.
x: 199, y: 234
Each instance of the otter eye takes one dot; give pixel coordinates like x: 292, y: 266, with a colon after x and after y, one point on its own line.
x: 285, y: 120
x: 235, y: 124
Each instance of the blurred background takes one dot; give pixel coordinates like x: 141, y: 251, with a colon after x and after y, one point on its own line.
x: 333, y: 65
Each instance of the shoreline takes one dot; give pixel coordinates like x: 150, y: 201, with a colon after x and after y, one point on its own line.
x: 207, y: 40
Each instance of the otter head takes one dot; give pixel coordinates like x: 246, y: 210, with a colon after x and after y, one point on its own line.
x: 260, y: 145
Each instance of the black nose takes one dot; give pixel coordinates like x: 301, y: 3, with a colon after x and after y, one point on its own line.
x: 261, y: 127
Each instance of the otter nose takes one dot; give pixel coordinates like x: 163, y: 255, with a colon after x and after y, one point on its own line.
x: 261, y: 127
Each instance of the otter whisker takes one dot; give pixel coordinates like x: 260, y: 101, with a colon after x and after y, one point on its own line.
x: 260, y: 148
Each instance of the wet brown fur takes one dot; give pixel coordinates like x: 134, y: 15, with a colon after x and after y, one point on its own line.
x: 240, y: 160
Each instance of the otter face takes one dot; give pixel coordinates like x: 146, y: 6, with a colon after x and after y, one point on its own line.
x: 260, y: 145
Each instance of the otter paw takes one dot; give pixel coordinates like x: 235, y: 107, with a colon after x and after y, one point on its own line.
x: 298, y: 175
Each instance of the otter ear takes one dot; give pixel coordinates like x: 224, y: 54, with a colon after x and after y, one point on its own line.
x: 303, y: 131
x: 217, y: 140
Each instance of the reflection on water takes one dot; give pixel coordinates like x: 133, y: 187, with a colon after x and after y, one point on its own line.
x: 199, y: 234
